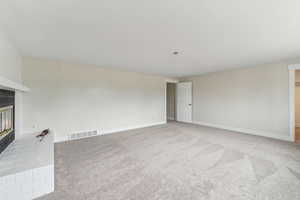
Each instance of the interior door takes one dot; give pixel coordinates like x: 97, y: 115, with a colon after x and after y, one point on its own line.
x: 184, y: 101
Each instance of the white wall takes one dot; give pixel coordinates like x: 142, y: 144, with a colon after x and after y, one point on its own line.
x: 10, y: 60
x: 252, y: 100
x: 72, y: 97
x: 10, y: 68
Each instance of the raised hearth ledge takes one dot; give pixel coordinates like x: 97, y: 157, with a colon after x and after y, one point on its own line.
x: 8, y: 84
x: 27, y: 168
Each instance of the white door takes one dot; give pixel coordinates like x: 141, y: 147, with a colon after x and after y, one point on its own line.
x: 184, y: 102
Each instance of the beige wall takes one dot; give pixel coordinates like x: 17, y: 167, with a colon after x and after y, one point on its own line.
x: 171, y: 88
x: 253, y: 100
x: 70, y: 97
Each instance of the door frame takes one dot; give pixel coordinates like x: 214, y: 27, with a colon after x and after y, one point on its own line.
x: 292, y: 80
x: 192, y: 102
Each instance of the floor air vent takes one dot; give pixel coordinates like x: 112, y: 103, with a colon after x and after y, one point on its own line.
x: 84, y: 134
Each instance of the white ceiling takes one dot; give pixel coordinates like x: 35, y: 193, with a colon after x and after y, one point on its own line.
x: 140, y: 35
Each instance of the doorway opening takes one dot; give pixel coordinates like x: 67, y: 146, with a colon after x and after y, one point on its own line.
x: 294, y: 102
x: 171, y: 102
x: 297, y: 106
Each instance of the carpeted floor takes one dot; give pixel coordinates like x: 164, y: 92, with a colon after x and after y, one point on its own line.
x: 176, y: 161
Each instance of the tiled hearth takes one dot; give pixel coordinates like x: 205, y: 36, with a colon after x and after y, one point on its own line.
x: 27, y: 168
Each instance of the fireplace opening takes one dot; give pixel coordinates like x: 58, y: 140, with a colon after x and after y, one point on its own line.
x: 7, y: 118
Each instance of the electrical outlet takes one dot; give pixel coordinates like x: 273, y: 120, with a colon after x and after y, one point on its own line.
x: 34, y: 126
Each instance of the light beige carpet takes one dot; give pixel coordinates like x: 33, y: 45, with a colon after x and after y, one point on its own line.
x: 177, y: 162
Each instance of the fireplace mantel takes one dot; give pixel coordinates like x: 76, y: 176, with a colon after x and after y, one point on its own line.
x: 6, y: 83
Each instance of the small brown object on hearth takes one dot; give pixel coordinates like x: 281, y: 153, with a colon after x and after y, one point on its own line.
x: 43, y: 134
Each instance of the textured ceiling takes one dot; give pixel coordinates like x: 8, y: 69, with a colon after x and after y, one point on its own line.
x: 140, y: 35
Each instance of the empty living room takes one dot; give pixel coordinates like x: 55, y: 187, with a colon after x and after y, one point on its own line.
x: 149, y: 100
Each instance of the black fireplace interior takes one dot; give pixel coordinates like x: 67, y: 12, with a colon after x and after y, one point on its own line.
x: 7, y: 118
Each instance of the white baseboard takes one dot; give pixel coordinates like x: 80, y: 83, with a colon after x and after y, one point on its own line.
x: 241, y: 130
x: 65, y: 138
x: 247, y: 131
x: 58, y: 139
x: 132, y: 127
